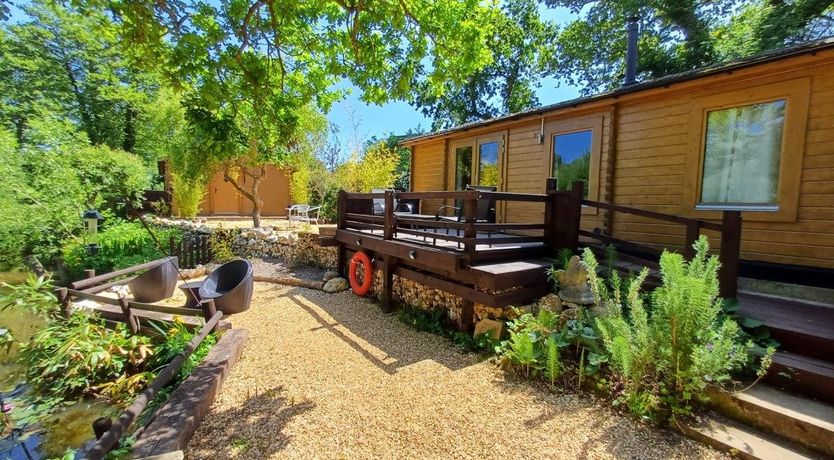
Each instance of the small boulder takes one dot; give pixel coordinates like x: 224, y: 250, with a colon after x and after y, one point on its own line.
x: 335, y: 285
x: 494, y: 328
x: 573, y: 283
x: 551, y: 303
x: 329, y: 275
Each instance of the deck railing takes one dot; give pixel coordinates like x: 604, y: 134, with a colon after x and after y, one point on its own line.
x: 561, y: 227
x: 356, y: 213
x: 729, y: 229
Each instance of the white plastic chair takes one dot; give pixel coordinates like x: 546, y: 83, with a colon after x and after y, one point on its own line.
x: 303, y: 213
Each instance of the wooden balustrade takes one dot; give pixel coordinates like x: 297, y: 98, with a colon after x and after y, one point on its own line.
x: 560, y: 228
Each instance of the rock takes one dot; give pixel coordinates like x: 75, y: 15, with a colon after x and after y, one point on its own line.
x: 329, y: 275
x: 494, y: 328
x: 573, y: 283
x: 550, y: 302
x: 336, y: 285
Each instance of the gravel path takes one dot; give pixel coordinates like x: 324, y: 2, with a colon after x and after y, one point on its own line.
x: 330, y: 376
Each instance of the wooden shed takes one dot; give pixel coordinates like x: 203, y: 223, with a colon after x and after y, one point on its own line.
x: 755, y: 135
x: 221, y: 198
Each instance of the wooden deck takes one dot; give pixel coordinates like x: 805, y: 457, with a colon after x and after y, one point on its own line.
x: 494, y: 263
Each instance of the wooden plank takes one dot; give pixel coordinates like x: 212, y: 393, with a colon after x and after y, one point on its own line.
x: 115, y: 274
x: 509, y: 240
x: 181, y: 311
x: 370, y: 218
x: 512, y: 196
x: 94, y: 297
x: 445, y: 260
x: 652, y: 214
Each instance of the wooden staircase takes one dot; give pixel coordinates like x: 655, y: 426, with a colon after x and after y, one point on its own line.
x: 804, y: 362
x: 791, y: 414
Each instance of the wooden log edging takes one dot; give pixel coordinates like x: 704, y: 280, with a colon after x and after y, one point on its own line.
x: 290, y: 281
x: 175, y: 422
x: 106, y: 442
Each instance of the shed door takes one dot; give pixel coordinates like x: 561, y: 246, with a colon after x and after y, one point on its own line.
x: 224, y: 196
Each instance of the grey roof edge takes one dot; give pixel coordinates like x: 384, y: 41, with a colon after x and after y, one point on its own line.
x: 810, y: 47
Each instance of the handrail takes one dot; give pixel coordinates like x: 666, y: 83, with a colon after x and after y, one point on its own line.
x: 109, y: 439
x: 452, y: 195
x: 653, y: 214
x: 81, y: 284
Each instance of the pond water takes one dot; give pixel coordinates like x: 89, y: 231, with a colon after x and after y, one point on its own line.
x: 68, y: 428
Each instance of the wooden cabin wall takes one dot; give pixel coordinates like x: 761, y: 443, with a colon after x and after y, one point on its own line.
x: 643, y: 163
x: 427, y: 172
x: 651, y: 164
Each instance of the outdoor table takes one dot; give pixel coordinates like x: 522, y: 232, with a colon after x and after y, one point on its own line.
x: 191, y: 290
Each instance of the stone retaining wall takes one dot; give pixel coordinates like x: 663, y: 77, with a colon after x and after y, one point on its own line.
x: 296, y: 248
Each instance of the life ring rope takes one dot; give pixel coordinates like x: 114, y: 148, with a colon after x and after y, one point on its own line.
x: 360, y: 258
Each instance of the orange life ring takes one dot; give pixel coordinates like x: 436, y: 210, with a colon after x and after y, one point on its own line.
x: 361, y: 258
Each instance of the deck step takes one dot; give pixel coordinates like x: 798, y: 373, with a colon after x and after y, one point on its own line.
x: 743, y: 441
x: 800, y: 326
x: 801, y: 420
x: 811, y: 376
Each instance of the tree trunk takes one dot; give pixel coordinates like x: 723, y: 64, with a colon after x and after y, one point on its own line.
x: 257, y: 202
x: 253, y: 196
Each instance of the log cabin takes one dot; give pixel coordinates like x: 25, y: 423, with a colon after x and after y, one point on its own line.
x: 754, y: 135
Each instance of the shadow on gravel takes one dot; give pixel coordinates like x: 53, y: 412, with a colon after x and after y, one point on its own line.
x: 254, y: 429
x: 381, y: 338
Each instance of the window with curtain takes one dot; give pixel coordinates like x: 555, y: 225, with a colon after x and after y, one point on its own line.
x: 742, y: 151
x: 572, y: 159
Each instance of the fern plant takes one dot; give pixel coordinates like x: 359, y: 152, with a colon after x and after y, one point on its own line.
x: 668, y: 351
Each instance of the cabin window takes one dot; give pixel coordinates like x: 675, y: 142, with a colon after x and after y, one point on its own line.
x: 463, y: 167
x: 488, y: 164
x: 745, y: 151
x: 572, y: 159
x: 742, y: 152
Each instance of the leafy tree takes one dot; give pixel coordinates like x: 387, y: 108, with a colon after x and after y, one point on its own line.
x: 250, y: 69
x: 519, y: 41
x: 676, y: 35
x: 62, y: 60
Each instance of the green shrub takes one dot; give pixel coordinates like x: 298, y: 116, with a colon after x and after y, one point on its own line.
x: 123, y: 244
x: 668, y: 351
x: 75, y: 357
x: 221, y: 244
x: 187, y: 194
x: 34, y: 295
x: 49, y: 182
x: 540, y: 344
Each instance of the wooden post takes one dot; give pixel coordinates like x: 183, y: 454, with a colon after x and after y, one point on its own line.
x: 101, y: 425
x: 470, y: 215
x: 388, y: 228
x: 89, y: 273
x: 467, y: 316
x: 131, y: 320
x: 729, y: 256
x: 577, y: 194
x: 64, y: 301
x: 388, y: 265
x: 209, y: 309
x: 340, y: 225
x: 693, y: 230
x: 550, y: 215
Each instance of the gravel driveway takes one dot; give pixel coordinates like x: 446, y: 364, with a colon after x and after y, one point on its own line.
x: 331, y: 376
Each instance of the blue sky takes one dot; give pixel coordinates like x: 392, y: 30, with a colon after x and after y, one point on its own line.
x: 358, y: 121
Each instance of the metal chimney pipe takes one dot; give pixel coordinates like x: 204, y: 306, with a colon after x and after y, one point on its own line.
x: 631, y: 51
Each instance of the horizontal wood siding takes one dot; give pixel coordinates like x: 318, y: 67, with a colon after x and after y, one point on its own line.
x: 651, y: 157
x: 650, y: 164
x: 428, y: 172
